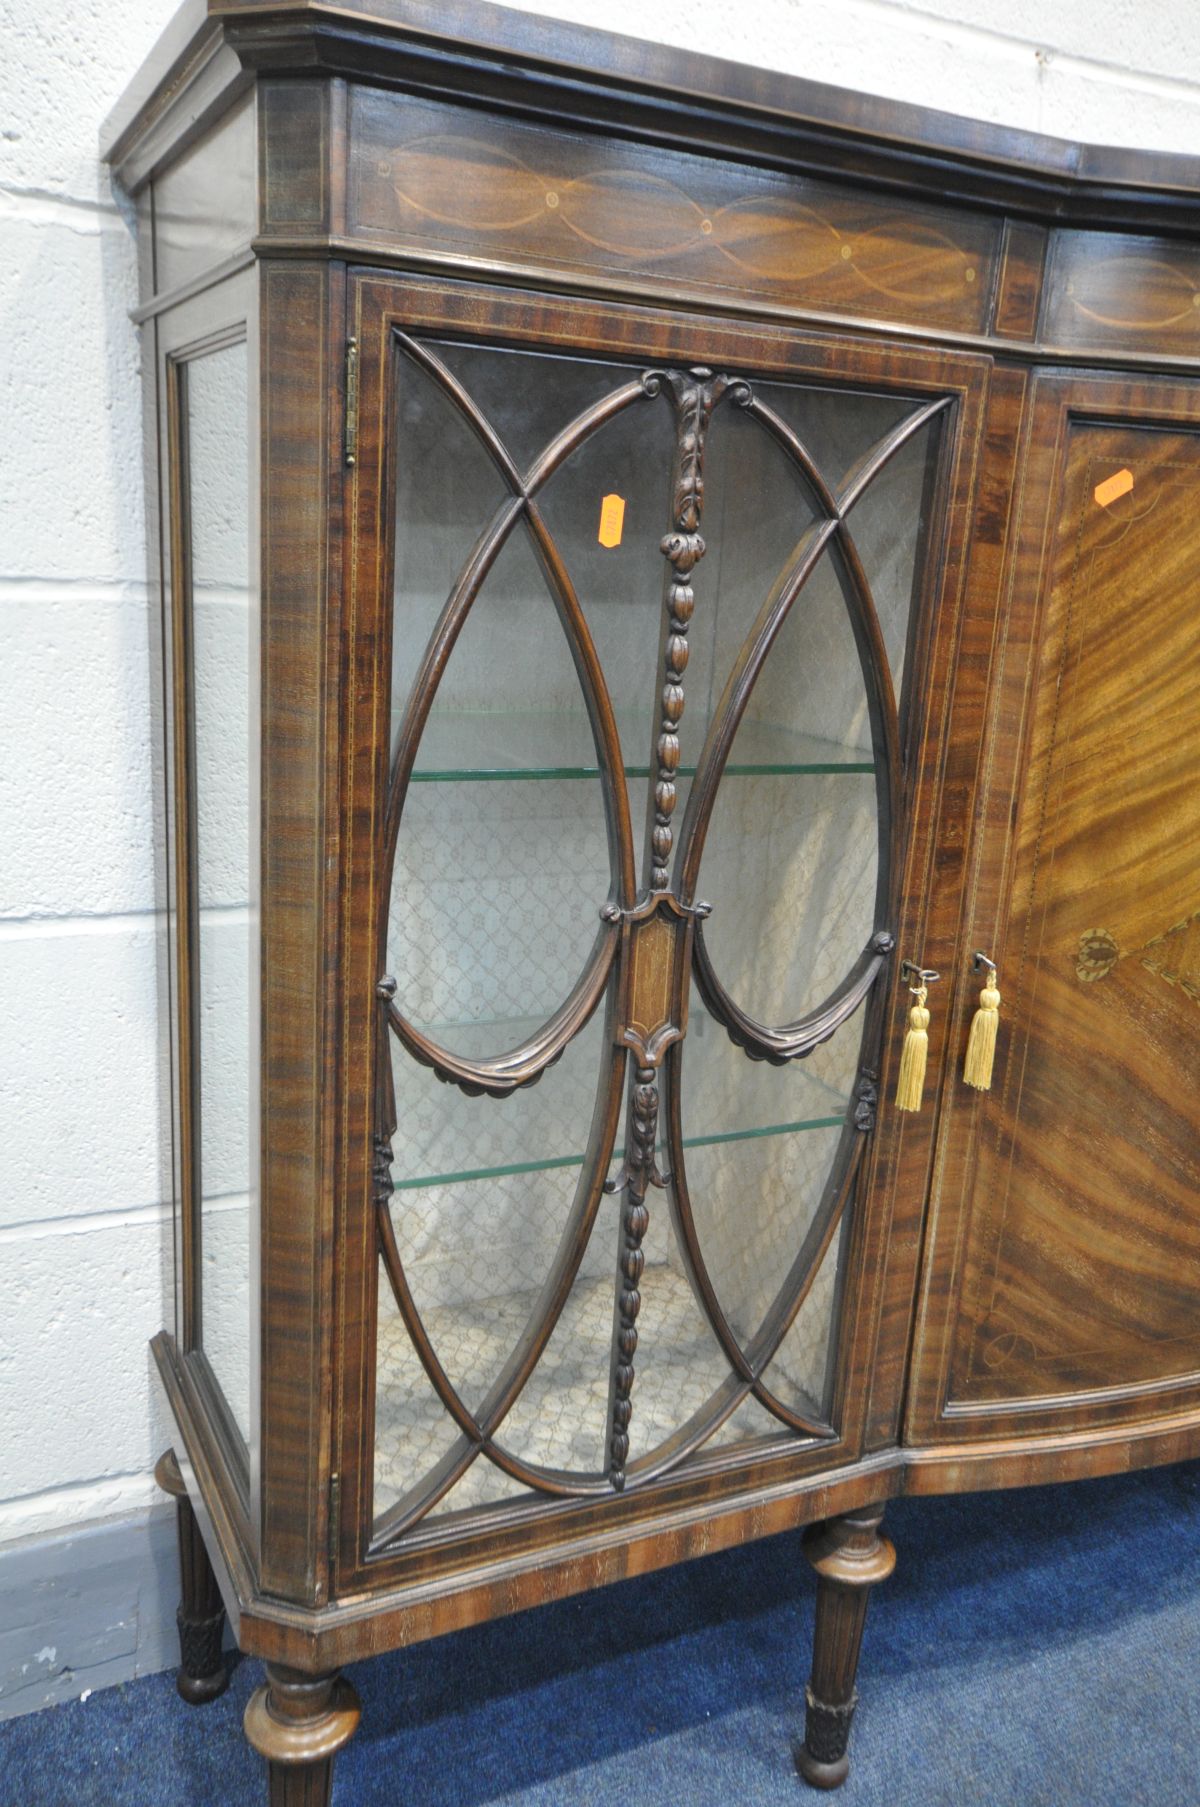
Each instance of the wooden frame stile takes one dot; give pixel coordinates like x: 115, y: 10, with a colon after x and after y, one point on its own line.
x: 541, y: 1548
x: 303, y: 735
x: 366, y: 554
x: 964, y: 834
x: 940, y: 763
x: 182, y: 906
x: 1090, y: 1429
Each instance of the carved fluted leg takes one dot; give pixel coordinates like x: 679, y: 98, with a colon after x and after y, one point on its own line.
x: 849, y: 1556
x: 202, y: 1674
x: 299, y: 1723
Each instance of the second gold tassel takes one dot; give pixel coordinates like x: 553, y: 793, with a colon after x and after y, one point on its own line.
x: 981, y: 1043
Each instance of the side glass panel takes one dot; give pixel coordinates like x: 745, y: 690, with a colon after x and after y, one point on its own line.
x: 535, y: 498
x: 222, y: 620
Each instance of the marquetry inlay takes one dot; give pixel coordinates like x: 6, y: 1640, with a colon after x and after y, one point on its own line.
x: 437, y: 177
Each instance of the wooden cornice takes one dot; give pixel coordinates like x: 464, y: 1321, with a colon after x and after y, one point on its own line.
x: 541, y: 68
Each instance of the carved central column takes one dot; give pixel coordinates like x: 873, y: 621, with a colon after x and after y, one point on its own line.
x: 656, y: 950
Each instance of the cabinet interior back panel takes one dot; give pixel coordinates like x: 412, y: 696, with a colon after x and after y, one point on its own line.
x: 1085, y: 1242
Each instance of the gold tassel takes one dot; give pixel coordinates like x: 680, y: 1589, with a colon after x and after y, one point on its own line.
x: 981, y: 1043
x: 911, y: 1081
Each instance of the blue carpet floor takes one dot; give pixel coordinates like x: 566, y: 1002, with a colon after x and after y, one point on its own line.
x: 1040, y: 1648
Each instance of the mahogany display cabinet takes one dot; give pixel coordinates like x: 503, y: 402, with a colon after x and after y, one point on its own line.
x: 659, y: 564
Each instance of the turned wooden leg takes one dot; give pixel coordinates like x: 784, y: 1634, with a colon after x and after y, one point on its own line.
x: 849, y: 1556
x: 299, y: 1723
x: 202, y: 1674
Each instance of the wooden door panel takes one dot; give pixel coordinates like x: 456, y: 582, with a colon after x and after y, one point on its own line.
x: 1065, y: 1254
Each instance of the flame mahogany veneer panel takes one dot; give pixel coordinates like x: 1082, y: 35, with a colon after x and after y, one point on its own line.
x: 1083, y: 1246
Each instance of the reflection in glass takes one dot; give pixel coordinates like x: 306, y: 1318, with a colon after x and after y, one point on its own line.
x: 798, y: 853
x: 467, y: 941
x: 558, y: 1420
x: 447, y: 490
x: 761, y: 1147
x: 483, y: 1484
x: 796, y: 856
x: 890, y: 519
x: 890, y: 523
x: 413, y: 1430
x: 758, y: 510
x: 483, y: 1192
x: 800, y: 1373
x: 224, y: 680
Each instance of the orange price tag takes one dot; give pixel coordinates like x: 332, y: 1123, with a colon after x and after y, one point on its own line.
x: 1113, y: 488
x: 612, y: 520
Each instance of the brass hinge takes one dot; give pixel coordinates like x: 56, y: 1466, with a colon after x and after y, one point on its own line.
x: 351, y: 437
x: 335, y: 1523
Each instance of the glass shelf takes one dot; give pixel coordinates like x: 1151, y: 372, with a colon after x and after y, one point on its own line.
x: 467, y: 747
x: 816, y: 1103
x: 576, y: 1160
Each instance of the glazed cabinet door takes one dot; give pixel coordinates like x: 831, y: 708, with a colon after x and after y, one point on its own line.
x: 644, y: 619
x: 1061, y: 1289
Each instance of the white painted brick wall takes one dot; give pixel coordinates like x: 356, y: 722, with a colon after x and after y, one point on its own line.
x: 84, y: 1236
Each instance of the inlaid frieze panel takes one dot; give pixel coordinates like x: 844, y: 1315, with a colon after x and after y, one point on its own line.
x: 441, y: 179
x: 1110, y: 290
